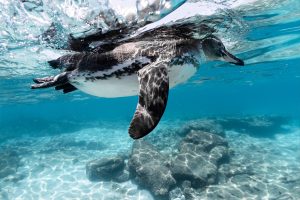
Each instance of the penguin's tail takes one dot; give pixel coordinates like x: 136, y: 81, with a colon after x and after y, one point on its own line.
x: 60, y: 82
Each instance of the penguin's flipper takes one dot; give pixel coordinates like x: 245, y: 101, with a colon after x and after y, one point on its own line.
x: 153, y: 97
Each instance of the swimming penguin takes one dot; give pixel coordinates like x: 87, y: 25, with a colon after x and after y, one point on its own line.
x: 146, y: 66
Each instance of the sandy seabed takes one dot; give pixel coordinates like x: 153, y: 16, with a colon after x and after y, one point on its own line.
x: 53, y: 167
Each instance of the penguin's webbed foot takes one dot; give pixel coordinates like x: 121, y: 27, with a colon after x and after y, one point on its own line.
x: 43, y: 80
x: 50, y: 81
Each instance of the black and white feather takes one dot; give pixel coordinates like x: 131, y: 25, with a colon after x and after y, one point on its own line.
x: 153, y: 97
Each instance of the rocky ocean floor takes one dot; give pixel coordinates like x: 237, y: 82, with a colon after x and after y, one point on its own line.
x: 216, y: 158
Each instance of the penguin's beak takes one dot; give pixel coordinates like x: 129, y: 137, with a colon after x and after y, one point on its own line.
x: 228, y: 57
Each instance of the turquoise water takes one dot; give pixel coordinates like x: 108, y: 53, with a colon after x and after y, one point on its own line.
x: 46, y: 137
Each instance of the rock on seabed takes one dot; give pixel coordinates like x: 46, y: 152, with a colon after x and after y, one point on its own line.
x: 105, y: 169
x: 150, y: 169
x: 195, y: 164
x: 200, y: 155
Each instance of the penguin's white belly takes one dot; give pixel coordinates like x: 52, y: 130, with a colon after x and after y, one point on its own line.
x: 111, y: 87
x: 180, y: 74
x: 129, y: 85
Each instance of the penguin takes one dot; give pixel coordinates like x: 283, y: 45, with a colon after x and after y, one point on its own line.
x: 147, y: 65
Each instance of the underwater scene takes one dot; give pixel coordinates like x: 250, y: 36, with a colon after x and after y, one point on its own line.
x: 149, y: 99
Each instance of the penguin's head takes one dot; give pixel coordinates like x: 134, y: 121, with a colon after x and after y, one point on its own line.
x: 214, y: 49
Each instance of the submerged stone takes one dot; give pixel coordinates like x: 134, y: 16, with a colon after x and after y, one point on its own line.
x: 199, y: 157
x: 207, y: 125
x: 149, y: 168
x: 176, y: 194
x: 256, y: 126
x: 105, y: 169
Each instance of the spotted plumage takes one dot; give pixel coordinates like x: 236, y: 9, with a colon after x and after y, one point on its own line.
x: 146, y: 65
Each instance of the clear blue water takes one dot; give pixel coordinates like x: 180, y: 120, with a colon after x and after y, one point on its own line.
x: 265, y: 33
